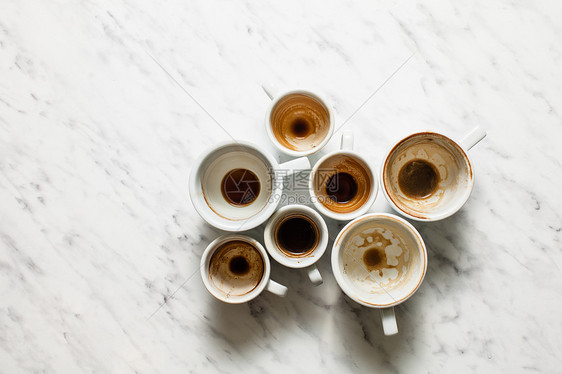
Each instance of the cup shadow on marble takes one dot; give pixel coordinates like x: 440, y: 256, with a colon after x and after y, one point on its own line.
x: 267, y: 318
x: 448, y: 248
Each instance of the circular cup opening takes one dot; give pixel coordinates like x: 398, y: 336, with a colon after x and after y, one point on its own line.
x: 299, y: 122
x: 379, y: 260
x: 427, y: 176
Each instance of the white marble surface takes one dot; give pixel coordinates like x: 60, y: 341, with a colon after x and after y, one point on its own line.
x: 96, y: 143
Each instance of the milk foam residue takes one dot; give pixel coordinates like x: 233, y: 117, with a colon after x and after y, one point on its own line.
x: 375, y: 259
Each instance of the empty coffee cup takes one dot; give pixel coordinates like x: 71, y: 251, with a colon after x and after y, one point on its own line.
x: 342, y: 184
x: 236, y: 186
x: 235, y: 269
x: 296, y: 236
x: 379, y: 260
x: 428, y: 176
x: 298, y: 122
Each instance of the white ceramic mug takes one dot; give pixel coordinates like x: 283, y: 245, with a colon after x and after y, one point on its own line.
x: 225, y: 288
x: 452, y: 167
x: 209, y: 171
x: 346, y: 150
x: 309, y: 258
x: 379, y: 260
x: 291, y: 149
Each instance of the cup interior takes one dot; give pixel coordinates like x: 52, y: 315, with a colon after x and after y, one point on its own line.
x: 343, y: 185
x: 235, y: 268
x: 379, y: 260
x: 300, y: 121
x: 238, y: 170
x: 275, y: 246
x: 451, y: 176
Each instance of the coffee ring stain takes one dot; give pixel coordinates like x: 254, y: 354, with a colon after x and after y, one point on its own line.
x: 239, y: 265
x: 375, y: 258
x: 240, y: 187
x: 301, y: 128
x: 418, y: 178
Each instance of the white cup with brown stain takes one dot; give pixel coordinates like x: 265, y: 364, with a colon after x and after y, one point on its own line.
x: 428, y: 176
x: 342, y: 184
x: 296, y: 236
x: 298, y: 122
x: 379, y: 260
x: 235, y: 269
x: 236, y: 186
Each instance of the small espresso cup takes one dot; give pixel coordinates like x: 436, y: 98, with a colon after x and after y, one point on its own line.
x: 296, y: 236
x: 428, y: 176
x: 342, y: 184
x: 235, y: 269
x: 379, y: 260
x: 298, y: 122
x: 236, y: 186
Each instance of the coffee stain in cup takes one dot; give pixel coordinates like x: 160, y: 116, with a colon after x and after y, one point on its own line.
x: 418, y: 178
x: 240, y: 187
x: 343, y: 183
x: 236, y: 268
x: 297, y: 235
x: 376, y: 258
x: 445, y: 158
x: 300, y: 122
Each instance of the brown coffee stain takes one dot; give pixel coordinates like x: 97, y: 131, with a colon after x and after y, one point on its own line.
x: 341, y: 187
x: 418, y: 178
x: 300, y: 122
x: 375, y: 258
x: 301, y: 128
x: 240, y: 187
x: 416, y: 140
x: 356, y: 187
x: 297, y: 235
x: 239, y: 265
x: 236, y: 267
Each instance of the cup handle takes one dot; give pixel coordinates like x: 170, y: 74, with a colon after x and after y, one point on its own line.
x: 276, y: 288
x: 472, y: 138
x: 295, y: 165
x: 270, y: 90
x: 388, y: 318
x: 314, y: 275
x: 347, y: 141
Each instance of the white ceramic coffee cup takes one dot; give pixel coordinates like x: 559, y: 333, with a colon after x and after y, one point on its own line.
x: 276, y: 97
x: 264, y: 284
x: 294, y: 261
x: 211, y: 167
x: 451, y: 160
x: 346, y: 149
x: 405, y: 257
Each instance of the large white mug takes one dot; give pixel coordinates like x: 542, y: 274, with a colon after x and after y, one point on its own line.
x: 251, y: 178
x: 306, y: 241
x: 342, y: 184
x: 428, y: 176
x: 379, y: 260
x: 298, y: 122
x: 235, y: 269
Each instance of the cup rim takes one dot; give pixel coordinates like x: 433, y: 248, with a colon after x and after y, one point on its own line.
x: 274, y: 140
x: 424, y: 217
x: 198, y: 200
x: 205, y: 262
x: 296, y: 262
x: 343, y: 216
x: 337, y: 247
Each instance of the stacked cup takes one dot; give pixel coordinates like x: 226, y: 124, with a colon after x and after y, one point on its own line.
x: 379, y: 260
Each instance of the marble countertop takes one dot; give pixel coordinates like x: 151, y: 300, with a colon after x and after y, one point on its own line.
x: 99, y: 242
